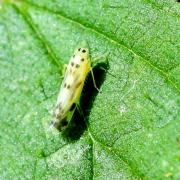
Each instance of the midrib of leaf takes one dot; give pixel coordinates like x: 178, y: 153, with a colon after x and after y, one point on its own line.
x: 34, y: 169
x: 92, y: 156
x: 110, y: 149
x: 142, y: 58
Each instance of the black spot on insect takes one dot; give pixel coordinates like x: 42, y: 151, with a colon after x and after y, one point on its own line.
x: 65, y: 85
x: 77, y: 65
x: 83, y: 50
x: 65, y: 68
x: 73, y: 106
x: 78, y: 84
x: 72, y: 64
x: 82, y: 59
x: 79, y: 49
x: 68, y: 86
x: 73, y: 56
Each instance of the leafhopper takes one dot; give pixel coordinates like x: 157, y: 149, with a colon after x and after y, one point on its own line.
x: 71, y: 88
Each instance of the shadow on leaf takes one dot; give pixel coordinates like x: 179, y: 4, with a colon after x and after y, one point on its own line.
x: 79, y: 123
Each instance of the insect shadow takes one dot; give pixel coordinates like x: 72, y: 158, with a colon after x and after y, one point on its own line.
x: 79, y: 123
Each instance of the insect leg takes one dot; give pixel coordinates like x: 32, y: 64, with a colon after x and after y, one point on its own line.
x: 94, y: 82
x: 80, y: 110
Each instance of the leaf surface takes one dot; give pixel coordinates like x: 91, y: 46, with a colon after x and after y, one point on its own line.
x: 132, y: 126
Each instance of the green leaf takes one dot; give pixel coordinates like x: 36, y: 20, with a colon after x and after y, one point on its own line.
x: 132, y: 126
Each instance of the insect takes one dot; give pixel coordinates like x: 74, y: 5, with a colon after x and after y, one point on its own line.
x: 70, y: 91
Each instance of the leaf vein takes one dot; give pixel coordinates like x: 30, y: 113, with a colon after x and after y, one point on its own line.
x: 135, y: 172
x: 141, y: 58
x: 41, y: 38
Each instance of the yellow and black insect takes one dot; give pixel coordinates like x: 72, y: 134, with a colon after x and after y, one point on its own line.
x: 69, y: 95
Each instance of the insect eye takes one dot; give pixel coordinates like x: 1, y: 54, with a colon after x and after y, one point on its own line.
x: 83, y: 50
x: 79, y: 49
